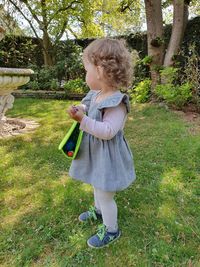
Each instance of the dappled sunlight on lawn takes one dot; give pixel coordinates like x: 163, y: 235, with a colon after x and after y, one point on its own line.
x: 178, y: 183
x: 172, y: 180
x: 15, y: 216
x: 40, y: 203
x: 167, y: 211
x: 64, y: 185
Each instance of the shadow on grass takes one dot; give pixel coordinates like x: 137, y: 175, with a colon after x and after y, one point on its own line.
x: 157, y: 213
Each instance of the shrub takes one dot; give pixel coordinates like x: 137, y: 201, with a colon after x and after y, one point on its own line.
x: 172, y: 93
x: 146, y: 60
x: 176, y: 95
x: 191, y: 73
x: 141, y: 70
x: 77, y: 86
x: 141, y: 92
x: 33, y: 85
x: 51, y: 77
x: 69, y: 60
x: 45, y: 76
x: 169, y: 75
x: 54, y: 84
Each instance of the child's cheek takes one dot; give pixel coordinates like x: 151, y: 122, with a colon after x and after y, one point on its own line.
x: 87, y: 79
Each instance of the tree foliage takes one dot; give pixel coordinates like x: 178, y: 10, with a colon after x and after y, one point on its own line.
x: 78, y: 18
x: 111, y: 17
x: 8, y: 23
x: 50, y: 20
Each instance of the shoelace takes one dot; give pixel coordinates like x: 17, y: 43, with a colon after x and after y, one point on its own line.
x: 92, y: 213
x: 101, y: 231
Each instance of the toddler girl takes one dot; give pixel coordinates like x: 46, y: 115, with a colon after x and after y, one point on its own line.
x: 104, y: 159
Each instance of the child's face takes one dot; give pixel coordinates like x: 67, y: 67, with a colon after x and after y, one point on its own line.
x: 92, y: 76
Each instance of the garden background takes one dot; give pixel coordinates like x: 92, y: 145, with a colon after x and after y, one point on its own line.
x: 39, y: 202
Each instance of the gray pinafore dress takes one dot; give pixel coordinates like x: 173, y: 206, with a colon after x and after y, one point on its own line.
x: 105, y: 164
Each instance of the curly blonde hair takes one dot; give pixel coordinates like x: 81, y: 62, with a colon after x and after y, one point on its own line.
x: 115, y: 59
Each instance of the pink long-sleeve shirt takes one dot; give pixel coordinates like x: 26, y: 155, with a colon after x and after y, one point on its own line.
x: 113, y: 120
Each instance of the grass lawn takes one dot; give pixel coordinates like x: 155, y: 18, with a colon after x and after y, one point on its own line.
x: 159, y: 214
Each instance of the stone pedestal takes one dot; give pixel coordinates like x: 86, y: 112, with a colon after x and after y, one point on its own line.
x: 6, y: 102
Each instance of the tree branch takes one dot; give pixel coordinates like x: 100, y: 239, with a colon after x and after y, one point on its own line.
x: 63, y: 9
x: 125, y: 6
x: 29, y: 21
x: 187, y: 2
x: 72, y: 32
x: 44, y: 14
x: 180, y: 16
x: 59, y: 35
x: 31, y: 10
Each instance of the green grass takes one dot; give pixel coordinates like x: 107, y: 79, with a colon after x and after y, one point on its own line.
x: 158, y: 214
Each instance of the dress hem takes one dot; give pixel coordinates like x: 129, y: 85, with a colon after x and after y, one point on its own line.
x: 102, y: 188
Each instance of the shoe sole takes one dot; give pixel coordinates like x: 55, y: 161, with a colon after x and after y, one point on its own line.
x: 106, y: 244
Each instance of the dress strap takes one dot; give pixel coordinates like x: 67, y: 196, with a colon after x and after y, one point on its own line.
x: 114, y: 101
x: 87, y: 99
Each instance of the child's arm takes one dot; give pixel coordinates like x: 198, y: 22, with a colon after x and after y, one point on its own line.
x: 76, y: 113
x: 113, y: 121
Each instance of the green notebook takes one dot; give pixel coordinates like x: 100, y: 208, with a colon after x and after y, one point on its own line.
x: 70, y: 144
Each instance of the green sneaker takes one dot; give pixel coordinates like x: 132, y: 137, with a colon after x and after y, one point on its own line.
x: 91, y: 214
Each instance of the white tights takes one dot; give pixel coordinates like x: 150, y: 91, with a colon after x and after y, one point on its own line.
x: 106, y: 205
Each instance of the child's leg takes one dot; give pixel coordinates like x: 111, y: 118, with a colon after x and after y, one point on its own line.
x: 108, y: 208
x: 96, y: 203
x: 93, y: 213
x: 108, y: 232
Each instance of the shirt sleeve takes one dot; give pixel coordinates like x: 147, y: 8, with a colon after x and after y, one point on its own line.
x: 113, y: 121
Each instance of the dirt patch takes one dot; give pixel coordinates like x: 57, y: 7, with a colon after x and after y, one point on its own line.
x: 189, y: 115
x: 193, y: 118
x: 13, y: 127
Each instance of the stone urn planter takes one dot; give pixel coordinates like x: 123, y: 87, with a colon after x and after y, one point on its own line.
x: 10, y: 80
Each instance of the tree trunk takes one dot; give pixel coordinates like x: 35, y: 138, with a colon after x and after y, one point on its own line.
x: 180, y: 18
x: 47, y: 50
x: 155, y: 38
x: 47, y: 44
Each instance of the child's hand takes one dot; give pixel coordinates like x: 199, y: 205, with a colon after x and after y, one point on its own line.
x: 76, y: 113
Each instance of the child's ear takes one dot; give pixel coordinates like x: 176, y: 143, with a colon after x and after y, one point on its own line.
x: 99, y: 72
